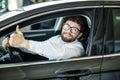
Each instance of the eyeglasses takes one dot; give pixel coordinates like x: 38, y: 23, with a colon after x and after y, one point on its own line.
x: 72, y: 29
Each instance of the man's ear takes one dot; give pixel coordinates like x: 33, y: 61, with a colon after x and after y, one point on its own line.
x: 79, y: 35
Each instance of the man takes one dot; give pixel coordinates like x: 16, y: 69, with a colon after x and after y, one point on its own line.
x: 58, y: 47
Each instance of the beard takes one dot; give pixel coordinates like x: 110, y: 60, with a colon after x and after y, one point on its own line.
x: 65, y: 39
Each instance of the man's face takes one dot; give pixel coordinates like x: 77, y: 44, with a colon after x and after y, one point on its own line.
x: 70, y: 31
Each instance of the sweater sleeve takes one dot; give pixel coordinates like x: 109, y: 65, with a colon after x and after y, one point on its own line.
x: 46, y: 49
x: 55, y: 48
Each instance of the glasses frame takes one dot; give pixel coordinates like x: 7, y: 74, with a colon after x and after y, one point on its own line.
x: 71, y: 28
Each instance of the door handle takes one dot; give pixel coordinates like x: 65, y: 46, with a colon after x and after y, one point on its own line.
x: 72, y: 73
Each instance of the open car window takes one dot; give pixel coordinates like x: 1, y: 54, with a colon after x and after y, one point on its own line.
x: 39, y: 32
x: 43, y: 28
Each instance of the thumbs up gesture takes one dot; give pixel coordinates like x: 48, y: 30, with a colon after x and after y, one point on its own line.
x: 17, y: 39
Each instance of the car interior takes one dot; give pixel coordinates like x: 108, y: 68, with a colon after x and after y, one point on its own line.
x: 40, y: 31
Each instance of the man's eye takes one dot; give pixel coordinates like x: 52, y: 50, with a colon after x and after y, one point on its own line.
x: 74, y: 29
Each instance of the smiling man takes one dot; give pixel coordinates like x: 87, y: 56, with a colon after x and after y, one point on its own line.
x: 62, y: 46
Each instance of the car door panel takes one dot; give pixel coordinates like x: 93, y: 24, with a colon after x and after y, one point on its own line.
x: 63, y: 68
x: 38, y: 70
x: 11, y: 73
x: 110, y: 67
x: 112, y: 55
x: 111, y: 62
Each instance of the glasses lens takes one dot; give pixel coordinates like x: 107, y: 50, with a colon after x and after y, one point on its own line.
x: 74, y: 30
x: 66, y: 27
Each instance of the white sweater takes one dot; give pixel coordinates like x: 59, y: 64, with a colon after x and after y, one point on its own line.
x: 56, y: 48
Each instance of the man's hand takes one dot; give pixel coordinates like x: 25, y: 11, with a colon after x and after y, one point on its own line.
x: 17, y: 39
x: 5, y: 42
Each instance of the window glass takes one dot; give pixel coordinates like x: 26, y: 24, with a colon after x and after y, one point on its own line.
x: 45, y: 24
x: 116, y: 20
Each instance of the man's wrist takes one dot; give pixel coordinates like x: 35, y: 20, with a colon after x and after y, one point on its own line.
x: 25, y: 44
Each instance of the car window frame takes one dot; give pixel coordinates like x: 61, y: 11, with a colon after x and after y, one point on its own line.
x: 57, y: 14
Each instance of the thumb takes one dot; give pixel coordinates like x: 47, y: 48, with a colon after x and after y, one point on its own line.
x: 18, y: 30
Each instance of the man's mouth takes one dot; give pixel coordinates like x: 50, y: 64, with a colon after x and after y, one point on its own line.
x: 66, y: 35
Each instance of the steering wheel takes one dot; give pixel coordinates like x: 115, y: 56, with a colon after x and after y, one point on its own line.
x: 14, y: 54
x: 10, y: 54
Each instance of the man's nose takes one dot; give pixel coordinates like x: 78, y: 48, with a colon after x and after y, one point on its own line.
x: 69, y: 31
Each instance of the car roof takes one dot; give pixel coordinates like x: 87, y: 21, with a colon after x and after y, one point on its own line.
x: 45, y: 4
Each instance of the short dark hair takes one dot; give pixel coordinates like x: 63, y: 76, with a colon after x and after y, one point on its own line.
x: 82, y: 21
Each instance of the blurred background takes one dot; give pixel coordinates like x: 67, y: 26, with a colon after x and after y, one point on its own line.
x: 10, y: 5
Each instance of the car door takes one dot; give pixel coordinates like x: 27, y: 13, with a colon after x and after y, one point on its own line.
x: 87, y: 67
x: 111, y: 58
